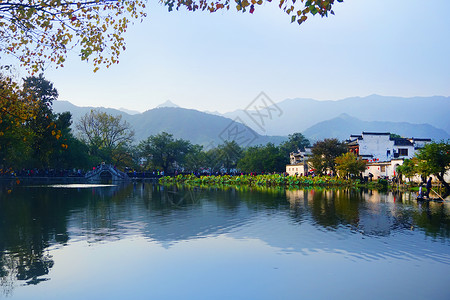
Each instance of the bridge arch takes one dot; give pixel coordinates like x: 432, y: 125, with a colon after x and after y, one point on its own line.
x: 106, y: 172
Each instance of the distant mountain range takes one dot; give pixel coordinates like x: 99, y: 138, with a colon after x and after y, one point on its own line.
x: 418, y: 117
x: 297, y: 115
x: 344, y: 125
x: 198, y: 127
x: 168, y: 103
x: 129, y: 111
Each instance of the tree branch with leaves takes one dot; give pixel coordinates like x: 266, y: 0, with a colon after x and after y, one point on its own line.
x: 42, y: 32
x: 37, y: 32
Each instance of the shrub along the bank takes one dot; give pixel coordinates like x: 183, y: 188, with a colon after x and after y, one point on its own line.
x: 260, y: 180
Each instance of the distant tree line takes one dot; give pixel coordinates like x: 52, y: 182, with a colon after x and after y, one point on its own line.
x: 33, y: 136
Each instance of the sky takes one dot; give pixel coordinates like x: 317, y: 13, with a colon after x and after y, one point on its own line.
x: 222, y: 61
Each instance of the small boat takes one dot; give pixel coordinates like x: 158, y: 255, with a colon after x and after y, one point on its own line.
x: 429, y: 199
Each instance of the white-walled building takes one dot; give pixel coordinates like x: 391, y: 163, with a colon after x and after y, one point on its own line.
x: 382, y: 169
x: 299, y: 162
x: 384, y: 153
x: 379, y: 146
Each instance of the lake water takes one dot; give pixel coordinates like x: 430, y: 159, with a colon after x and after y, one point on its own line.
x: 146, y: 241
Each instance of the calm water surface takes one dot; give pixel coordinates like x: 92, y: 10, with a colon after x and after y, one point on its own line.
x: 146, y: 241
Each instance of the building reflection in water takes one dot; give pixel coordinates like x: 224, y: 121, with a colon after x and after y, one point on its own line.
x: 372, y: 212
x: 34, y: 219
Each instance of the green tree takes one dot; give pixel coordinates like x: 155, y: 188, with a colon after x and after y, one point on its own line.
x: 17, y: 109
x: 213, y: 160
x: 107, y: 136
x: 408, y: 168
x: 435, y: 159
x: 349, y: 164
x: 229, y: 154
x: 295, y: 142
x: 45, y: 133
x: 261, y: 159
x: 394, y: 136
x: 324, y: 154
x: 195, y: 159
x: 163, y: 151
x: 30, y: 133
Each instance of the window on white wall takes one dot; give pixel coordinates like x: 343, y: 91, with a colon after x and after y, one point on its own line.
x: 403, y: 152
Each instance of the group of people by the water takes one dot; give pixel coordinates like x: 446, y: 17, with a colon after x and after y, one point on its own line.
x: 428, y: 187
x: 35, y: 172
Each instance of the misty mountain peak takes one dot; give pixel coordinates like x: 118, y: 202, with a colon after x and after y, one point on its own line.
x: 168, y: 103
x: 346, y: 116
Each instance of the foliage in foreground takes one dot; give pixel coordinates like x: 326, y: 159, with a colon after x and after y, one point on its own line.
x: 39, y: 32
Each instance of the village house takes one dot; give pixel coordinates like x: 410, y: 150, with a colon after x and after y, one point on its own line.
x: 383, y: 152
x: 380, y: 146
x: 299, y: 162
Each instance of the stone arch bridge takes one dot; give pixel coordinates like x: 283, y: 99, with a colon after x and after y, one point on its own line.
x: 106, y: 172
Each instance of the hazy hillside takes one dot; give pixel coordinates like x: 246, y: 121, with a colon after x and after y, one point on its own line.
x: 77, y: 111
x: 195, y: 126
x: 409, y: 117
x: 344, y: 125
x: 299, y: 114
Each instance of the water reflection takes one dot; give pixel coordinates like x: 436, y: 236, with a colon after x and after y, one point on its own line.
x: 362, y: 225
x: 371, y: 212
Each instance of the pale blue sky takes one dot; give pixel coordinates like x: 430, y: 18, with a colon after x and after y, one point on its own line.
x: 222, y: 61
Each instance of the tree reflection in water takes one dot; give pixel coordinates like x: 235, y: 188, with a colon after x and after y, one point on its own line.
x: 32, y: 219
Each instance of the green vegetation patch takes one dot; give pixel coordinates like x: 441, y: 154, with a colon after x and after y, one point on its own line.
x: 259, y: 180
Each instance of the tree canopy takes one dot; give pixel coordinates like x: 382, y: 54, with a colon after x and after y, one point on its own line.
x: 39, y: 32
x: 106, y: 135
x: 31, y: 134
x: 295, y: 142
x: 262, y: 159
x: 408, y: 168
x: 349, y: 164
x: 229, y: 154
x: 324, y: 154
x: 163, y: 151
x: 435, y: 159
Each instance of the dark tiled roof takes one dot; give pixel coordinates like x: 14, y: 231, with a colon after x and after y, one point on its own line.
x: 421, y: 140
x: 402, y: 142
x: 376, y: 133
